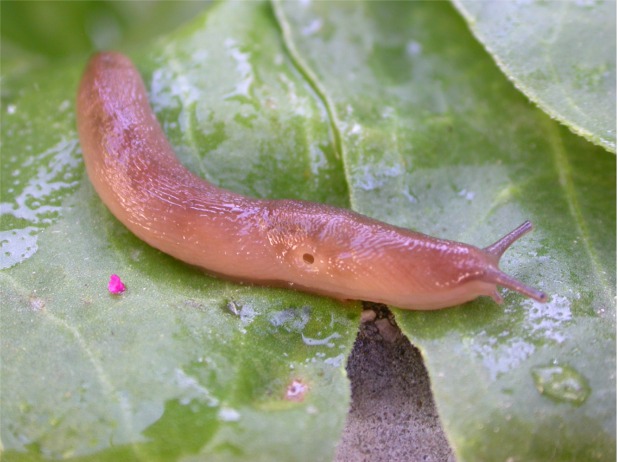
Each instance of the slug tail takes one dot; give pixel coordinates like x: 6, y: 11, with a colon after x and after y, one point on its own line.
x: 499, y: 247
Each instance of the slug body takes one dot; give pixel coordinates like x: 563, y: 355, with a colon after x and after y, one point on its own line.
x: 303, y: 245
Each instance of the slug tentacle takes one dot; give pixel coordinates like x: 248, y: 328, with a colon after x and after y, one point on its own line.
x: 298, y: 244
x: 494, y: 274
x: 502, y: 279
x: 500, y: 246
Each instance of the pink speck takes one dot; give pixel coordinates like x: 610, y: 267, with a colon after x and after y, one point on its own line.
x: 115, y: 285
x: 296, y: 391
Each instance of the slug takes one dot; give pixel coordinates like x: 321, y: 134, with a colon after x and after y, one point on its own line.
x: 303, y: 245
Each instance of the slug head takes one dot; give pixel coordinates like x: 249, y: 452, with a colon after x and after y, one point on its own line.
x: 434, y: 273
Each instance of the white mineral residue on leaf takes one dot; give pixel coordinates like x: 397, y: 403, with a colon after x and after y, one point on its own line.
x: 299, y: 103
x: 356, y: 129
x: 500, y: 356
x: 243, y: 68
x: 292, y: 319
x: 38, y: 202
x: 327, y: 341
x: 468, y: 195
x: 331, y: 324
x: 32, y: 203
x: 317, y: 158
x: 161, y: 96
x: 408, y: 194
x: 314, y: 26
x: 172, y: 88
x: 227, y: 414
x: 542, y: 323
x: 413, y: 48
x: 66, y: 104
x: 388, y: 112
x: 199, y: 55
x: 16, y: 245
x: 184, y: 89
x: 586, y: 3
x: 539, y: 258
x: 247, y: 314
x: 547, y: 320
x: 336, y: 361
x: 136, y: 255
x: 192, y: 389
x: 372, y: 177
x: 510, y: 18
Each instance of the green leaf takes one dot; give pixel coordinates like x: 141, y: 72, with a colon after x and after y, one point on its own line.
x: 35, y: 33
x: 391, y: 108
x: 435, y: 138
x: 181, y: 363
x: 562, y: 55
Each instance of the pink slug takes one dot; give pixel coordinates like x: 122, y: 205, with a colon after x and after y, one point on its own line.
x: 291, y: 243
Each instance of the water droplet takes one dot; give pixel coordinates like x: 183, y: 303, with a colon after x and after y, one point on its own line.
x: 561, y: 383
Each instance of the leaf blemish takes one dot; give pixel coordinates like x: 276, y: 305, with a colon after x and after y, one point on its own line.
x: 296, y: 391
x: 232, y: 307
x: 37, y: 303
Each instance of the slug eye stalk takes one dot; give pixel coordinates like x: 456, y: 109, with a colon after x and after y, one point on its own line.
x: 499, y: 247
x: 496, y: 276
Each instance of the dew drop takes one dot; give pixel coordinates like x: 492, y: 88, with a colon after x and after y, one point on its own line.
x: 561, y: 383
